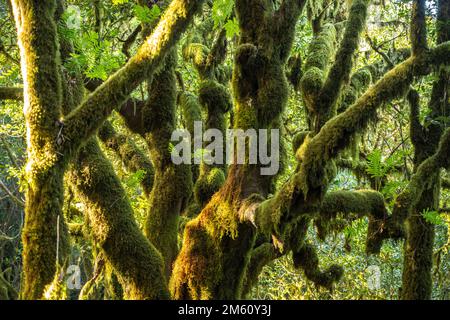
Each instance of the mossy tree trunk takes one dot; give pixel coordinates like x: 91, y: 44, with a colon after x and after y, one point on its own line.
x: 137, y: 263
x: 38, y: 44
x: 217, y: 244
x: 214, y: 98
x: 418, y: 250
x: 172, y: 183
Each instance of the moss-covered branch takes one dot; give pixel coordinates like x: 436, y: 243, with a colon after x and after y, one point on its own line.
x: 342, y: 66
x: 418, y: 29
x: 173, y: 183
x: 132, y: 157
x: 215, y: 99
x: 339, y: 206
x: 306, y: 259
x: 11, y: 93
x: 136, y: 261
x: 89, y: 116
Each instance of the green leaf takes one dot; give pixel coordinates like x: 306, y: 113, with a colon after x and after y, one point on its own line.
x: 232, y: 28
x: 374, y: 164
x: 146, y: 14
x: 433, y: 217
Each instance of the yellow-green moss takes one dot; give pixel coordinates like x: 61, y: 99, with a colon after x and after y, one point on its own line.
x: 129, y: 153
x: 172, y: 186
x: 135, y: 260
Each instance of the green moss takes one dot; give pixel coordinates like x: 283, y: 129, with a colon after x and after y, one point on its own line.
x: 340, y: 207
x: 321, y: 48
x: 311, y: 84
x: 129, y: 153
x: 172, y: 183
x: 83, y: 122
x: 197, y: 53
x: 306, y: 258
x: 214, y: 97
x: 45, y: 166
x: 138, y: 265
x: 215, y: 100
x: 208, y: 184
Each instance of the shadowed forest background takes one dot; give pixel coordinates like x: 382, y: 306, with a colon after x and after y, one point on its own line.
x: 91, y: 91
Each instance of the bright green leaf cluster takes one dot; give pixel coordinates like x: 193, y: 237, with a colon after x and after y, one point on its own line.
x: 146, y: 14
x: 221, y: 11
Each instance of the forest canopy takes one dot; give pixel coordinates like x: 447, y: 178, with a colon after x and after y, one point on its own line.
x: 335, y: 184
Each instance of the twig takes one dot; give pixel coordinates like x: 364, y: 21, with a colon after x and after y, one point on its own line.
x: 19, y: 201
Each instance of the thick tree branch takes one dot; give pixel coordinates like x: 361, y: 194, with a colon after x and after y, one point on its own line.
x: 418, y: 28
x: 11, y: 93
x: 340, y: 71
x: 90, y: 115
x: 129, y: 153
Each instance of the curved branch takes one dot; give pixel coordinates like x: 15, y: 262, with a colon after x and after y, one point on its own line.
x: 11, y: 93
x: 129, y: 153
x: 90, y: 115
x: 340, y: 71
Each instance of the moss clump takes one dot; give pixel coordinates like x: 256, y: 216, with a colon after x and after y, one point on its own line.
x: 214, y: 97
x: 191, y: 110
x: 311, y: 84
x: 295, y: 72
x: 306, y: 259
x: 321, y: 48
x: 207, y: 185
